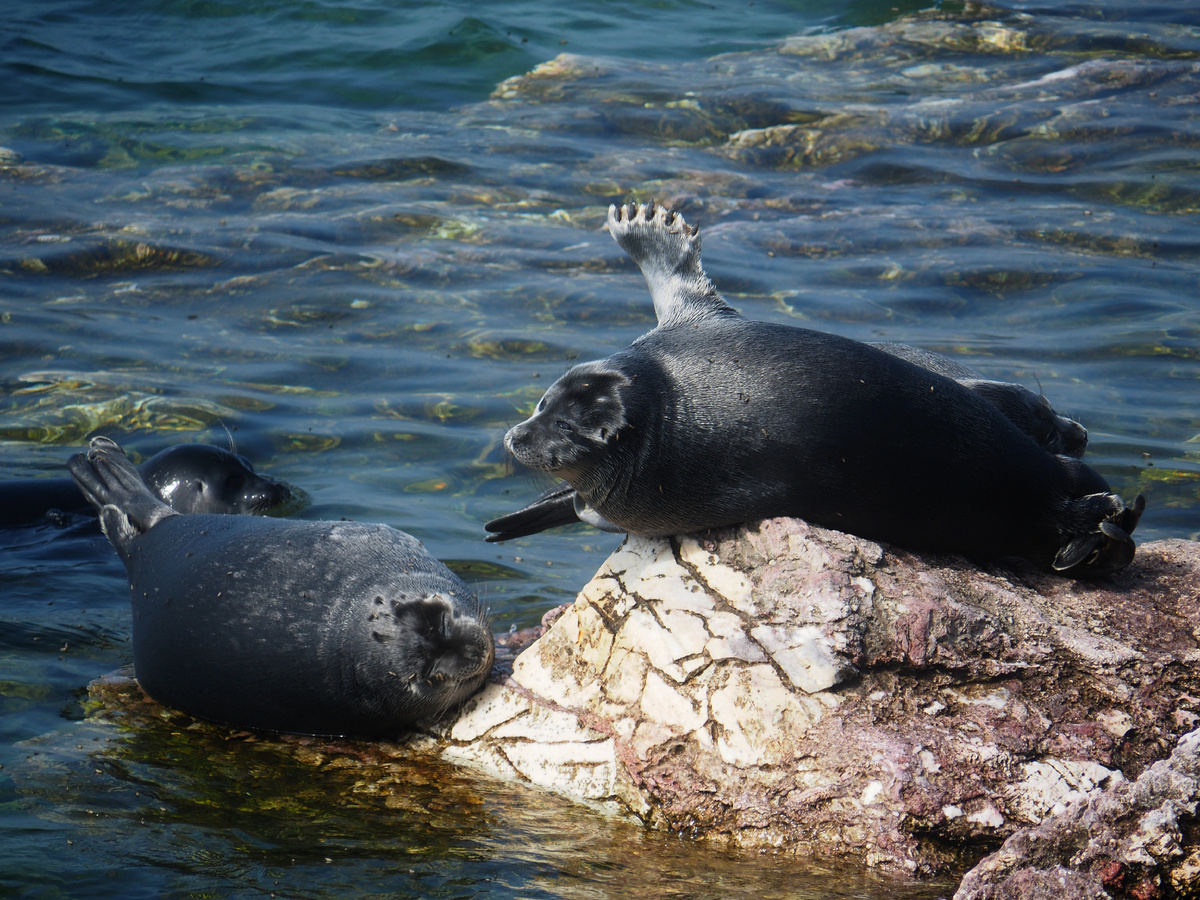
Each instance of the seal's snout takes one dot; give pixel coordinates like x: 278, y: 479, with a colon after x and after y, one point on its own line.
x: 513, y: 439
x: 1074, y: 437
x: 268, y: 495
x: 520, y: 442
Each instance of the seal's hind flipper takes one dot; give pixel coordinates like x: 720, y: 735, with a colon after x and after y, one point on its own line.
x: 667, y: 250
x: 1106, y: 549
x: 113, y: 486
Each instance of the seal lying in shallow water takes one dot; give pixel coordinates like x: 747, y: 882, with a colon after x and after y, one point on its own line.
x: 190, y: 478
x: 711, y: 419
x: 332, y: 628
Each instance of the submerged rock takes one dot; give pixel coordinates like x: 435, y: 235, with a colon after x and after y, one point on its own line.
x: 784, y: 685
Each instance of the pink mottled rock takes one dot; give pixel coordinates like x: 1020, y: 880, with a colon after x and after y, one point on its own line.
x: 1136, y: 839
x: 784, y: 685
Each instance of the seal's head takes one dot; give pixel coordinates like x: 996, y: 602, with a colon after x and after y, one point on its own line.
x: 578, y: 418
x: 200, y: 478
x: 428, y: 652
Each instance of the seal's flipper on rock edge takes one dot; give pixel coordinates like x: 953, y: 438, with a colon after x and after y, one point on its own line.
x: 113, y: 486
x: 667, y: 250
x: 1106, y: 550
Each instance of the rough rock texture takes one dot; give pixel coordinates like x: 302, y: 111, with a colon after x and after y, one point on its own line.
x: 1137, y: 839
x: 785, y: 685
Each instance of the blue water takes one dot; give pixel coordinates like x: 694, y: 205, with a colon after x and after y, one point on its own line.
x: 337, y: 235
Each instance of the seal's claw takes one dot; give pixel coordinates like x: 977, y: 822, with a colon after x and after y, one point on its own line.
x: 667, y: 250
x: 1129, y: 517
x: 1107, y: 549
x: 1076, y: 553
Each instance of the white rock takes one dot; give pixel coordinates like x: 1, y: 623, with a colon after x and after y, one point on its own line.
x: 804, y: 655
x: 487, y: 709
x: 663, y: 703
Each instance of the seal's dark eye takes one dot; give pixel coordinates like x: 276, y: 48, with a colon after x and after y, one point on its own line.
x: 235, y: 482
x: 559, y: 423
x: 541, y: 404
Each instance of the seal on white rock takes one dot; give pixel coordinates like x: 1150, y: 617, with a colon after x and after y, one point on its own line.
x: 331, y: 628
x: 1030, y: 412
x: 712, y: 419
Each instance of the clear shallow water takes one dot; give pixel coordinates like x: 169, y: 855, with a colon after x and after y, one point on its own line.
x: 308, y: 224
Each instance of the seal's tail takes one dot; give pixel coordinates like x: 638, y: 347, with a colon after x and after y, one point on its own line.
x: 1108, y: 546
x: 113, y: 486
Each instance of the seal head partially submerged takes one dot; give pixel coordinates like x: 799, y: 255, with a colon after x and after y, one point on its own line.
x: 190, y: 478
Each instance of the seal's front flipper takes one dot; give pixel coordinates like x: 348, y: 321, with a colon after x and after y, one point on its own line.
x: 556, y: 507
x: 552, y: 509
x: 1107, y: 549
x: 113, y: 486
x: 667, y: 250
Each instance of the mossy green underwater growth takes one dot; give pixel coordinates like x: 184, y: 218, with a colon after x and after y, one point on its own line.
x: 1149, y: 195
x: 22, y: 690
x: 505, y: 348
x: 1169, y: 486
x: 400, y: 169
x: 115, y: 256
x: 116, y: 144
x: 58, y: 408
x: 134, y: 759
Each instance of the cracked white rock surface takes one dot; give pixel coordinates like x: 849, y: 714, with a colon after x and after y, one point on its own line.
x: 787, y: 686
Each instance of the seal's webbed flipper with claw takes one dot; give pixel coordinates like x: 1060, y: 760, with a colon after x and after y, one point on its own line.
x: 113, y: 486
x: 1109, y: 547
x: 667, y: 250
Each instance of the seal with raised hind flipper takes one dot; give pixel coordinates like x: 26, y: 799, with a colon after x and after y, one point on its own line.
x: 330, y: 628
x: 712, y: 419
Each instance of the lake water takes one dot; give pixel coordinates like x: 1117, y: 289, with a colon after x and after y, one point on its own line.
x: 361, y: 238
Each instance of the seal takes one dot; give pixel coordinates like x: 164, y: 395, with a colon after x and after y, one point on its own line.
x: 711, y: 419
x: 1030, y: 412
x: 330, y: 628
x: 190, y: 478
